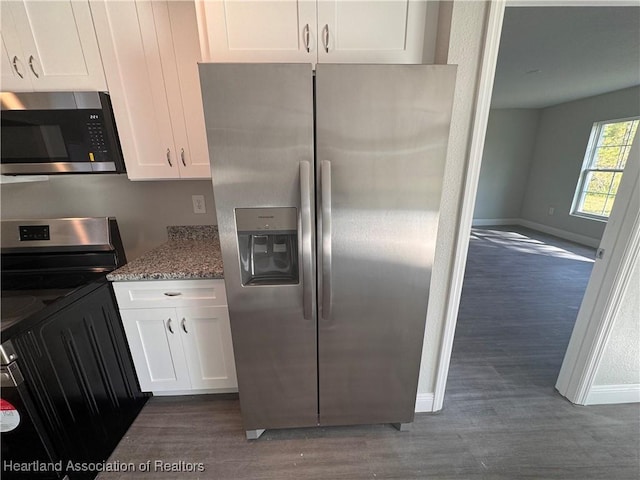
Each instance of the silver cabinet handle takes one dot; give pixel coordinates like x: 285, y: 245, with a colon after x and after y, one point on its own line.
x: 31, y: 59
x: 325, y: 38
x: 305, y: 34
x: 169, y: 157
x: 15, y: 66
x: 182, y: 157
x: 172, y: 294
x: 169, y: 326
x: 307, y: 239
x: 183, y: 325
x: 325, y: 179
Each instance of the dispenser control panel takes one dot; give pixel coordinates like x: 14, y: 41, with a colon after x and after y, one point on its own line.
x: 283, y: 219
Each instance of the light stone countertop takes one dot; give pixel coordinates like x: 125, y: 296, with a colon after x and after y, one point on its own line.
x: 192, y: 252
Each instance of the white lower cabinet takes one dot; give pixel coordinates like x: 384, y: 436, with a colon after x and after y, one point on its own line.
x: 156, y: 347
x: 185, y: 346
x: 206, y: 339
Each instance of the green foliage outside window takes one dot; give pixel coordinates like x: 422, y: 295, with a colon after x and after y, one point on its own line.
x: 606, y: 157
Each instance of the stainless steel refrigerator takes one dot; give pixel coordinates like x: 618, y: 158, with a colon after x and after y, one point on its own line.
x: 327, y: 190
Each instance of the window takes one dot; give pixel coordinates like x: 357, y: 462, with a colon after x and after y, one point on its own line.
x: 606, y: 156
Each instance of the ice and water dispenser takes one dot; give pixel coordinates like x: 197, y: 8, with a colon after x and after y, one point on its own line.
x: 268, y: 245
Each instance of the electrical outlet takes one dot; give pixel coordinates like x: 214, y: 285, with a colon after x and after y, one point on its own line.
x: 552, y: 210
x: 198, y: 204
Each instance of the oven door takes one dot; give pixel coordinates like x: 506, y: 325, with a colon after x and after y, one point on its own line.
x: 24, y: 440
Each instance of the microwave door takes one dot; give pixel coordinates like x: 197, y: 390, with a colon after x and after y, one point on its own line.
x: 43, y: 142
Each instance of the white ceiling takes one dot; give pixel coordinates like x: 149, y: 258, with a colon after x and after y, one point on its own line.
x: 552, y: 55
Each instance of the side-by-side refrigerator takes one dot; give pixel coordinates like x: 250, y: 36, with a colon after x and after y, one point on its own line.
x: 327, y: 189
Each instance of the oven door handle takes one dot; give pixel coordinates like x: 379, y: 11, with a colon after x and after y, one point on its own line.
x: 10, y: 376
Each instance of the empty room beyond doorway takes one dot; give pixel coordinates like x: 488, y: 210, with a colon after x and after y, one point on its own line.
x: 520, y: 298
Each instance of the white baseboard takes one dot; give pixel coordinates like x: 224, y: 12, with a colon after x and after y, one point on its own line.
x: 204, y: 391
x: 607, y: 394
x: 424, y: 402
x: 573, y: 237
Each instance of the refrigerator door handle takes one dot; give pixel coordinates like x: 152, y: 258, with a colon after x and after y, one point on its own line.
x: 325, y: 179
x: 307, y: 247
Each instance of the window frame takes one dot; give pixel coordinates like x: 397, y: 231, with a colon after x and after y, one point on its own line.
x: 586, y: 168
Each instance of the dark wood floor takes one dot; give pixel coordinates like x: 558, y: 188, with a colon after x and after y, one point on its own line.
x: 502, y: 418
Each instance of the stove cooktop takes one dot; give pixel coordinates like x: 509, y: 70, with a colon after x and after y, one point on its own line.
x: 16, y: 305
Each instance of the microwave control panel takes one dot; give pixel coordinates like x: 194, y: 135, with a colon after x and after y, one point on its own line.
x: 98, y: 151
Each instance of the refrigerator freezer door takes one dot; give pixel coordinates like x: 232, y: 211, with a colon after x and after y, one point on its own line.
x: 381, y: 133
x: 259, y: 120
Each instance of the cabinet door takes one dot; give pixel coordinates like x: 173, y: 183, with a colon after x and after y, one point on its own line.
x: 261, y: 31
x: 13, y: 70
x: 177, y: 32
x: 154, y: 340
x: 131, y: 55
x: 206, y: 337
x: 384, y: 31
x: 59, y: 45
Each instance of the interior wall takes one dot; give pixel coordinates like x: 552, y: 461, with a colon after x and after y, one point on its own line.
x: 508, y: 150
x: 143, y: 209
x: 620, y: 364
x: 430, y: 32
x: 563, y: 134
x: 465, y: 50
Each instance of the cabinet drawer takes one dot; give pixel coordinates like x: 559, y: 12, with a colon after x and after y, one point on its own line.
x: 170, y: 293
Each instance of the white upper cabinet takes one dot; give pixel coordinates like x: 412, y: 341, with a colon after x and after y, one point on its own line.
x: 260, y: 31
x: 310, y: 31
x: 150, y: 52
x: 371, y: 31
x: 49, y: 46
x: 186, y: 97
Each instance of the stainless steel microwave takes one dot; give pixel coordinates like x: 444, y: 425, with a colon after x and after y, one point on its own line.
x: 58, y: 132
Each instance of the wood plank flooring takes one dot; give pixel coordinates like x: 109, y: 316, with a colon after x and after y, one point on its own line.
x: 502, y: 417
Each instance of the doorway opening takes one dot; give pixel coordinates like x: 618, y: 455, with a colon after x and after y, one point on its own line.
x: 530, y: 257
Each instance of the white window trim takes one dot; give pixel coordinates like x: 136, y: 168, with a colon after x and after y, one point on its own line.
x: 596, y: 128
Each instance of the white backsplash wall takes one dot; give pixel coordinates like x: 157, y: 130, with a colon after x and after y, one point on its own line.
x: 143, y: 209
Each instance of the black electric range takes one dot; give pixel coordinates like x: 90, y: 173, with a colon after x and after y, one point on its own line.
x: 69, y: 390
x: 47, y: 263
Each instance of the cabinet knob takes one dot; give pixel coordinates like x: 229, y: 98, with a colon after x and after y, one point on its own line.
x: 169, y: 157
x: 15, y: 66
x: 172, y: 294
x: 182, y: 157
x: 183, y: 324
x: 169, y: 325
